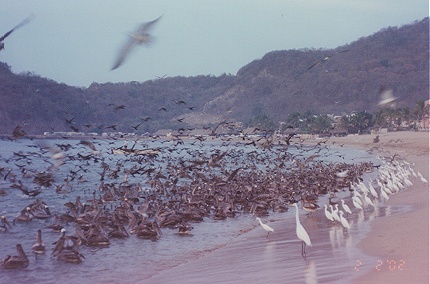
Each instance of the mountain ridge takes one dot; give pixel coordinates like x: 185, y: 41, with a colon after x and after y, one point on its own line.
x: 281, y: 82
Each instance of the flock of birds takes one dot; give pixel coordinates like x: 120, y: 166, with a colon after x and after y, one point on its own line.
x: 187, y: 182
x: 140, y: 37
x: 393, y: 176
x: 182, y: 185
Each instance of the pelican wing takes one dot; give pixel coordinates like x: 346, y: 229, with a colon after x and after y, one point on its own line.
x: 145, y: 27
x: 24, y: 22
x: 125, y: 50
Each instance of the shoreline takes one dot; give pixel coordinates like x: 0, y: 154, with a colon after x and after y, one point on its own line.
x: 401, y: 242
x: 402, y: 238
x: 251, y: 258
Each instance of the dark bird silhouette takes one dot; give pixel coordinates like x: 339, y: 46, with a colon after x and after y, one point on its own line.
x: 146, y: 119
x: 120, y: 107
x: 325, y: 59
x: 213, y: 133
x: 136, y: 126
x: 288, y: 139
x: 23, y: 23
x: 140, y: 36
x: 75, y: 129
x: 112, y: 126
x: 179, y: 102
x: 69, y: 121
x: 18, y: 132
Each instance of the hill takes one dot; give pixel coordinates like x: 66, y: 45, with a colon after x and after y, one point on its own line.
x: 336, y: 81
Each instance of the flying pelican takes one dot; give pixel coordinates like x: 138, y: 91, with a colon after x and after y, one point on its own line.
x: 140, y: 36
x: 23, y: 23
x: 266, y: 227
x: 325, y: 59
x: 386, y: 97
x: 301, y: 232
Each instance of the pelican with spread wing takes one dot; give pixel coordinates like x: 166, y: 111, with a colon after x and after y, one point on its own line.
x: 140, y: 36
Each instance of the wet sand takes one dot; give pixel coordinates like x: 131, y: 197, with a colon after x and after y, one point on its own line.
x: 252, y: 257
x: 401, y: 242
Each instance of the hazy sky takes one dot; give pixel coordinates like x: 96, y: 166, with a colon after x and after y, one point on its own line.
x: 76, y: 42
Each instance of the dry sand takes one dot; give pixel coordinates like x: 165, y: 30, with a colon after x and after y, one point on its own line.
x: 403, y: 238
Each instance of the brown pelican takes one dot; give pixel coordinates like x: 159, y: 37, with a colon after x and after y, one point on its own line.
x: 140, y: 36
x: 5, y: 223
x: 19, y: 261
x: 325, y: 59
x: 24, y: 22
x: 39, y: 246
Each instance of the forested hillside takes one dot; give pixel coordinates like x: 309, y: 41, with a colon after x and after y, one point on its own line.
x: 335, y: 81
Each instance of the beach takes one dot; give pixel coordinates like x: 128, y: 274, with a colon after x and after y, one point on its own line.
x: 397, y: 245
x: 403, y: 237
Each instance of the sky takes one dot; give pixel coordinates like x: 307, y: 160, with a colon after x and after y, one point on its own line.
x: 76, y: 42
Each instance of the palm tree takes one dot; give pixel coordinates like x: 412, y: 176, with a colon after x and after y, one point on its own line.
x: 358, y: 122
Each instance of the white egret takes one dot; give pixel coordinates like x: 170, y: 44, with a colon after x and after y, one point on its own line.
x: 266, y: 227
x: 334, y: 212
x: 357, y: 204
x: 372, y: 190
x: 421, y: 177
x: 384, y: 194
x: 301, y: 232
x: 346, y: 207
x: 327, y: 213
x: 362, y: 187
x: 343, y: 221
x: 368, y: 201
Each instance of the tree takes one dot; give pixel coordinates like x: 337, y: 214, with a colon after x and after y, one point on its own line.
x: 357, y: 122
x: 322, y: 124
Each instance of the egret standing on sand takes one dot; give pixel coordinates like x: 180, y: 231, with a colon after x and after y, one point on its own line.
x: 343, y: 221
x: 266, y: 227
x: 301, y: 232
x: 328, y: 214
x: 346, y: 207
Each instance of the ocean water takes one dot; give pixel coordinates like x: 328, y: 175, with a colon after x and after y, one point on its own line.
x: 333, y: 255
